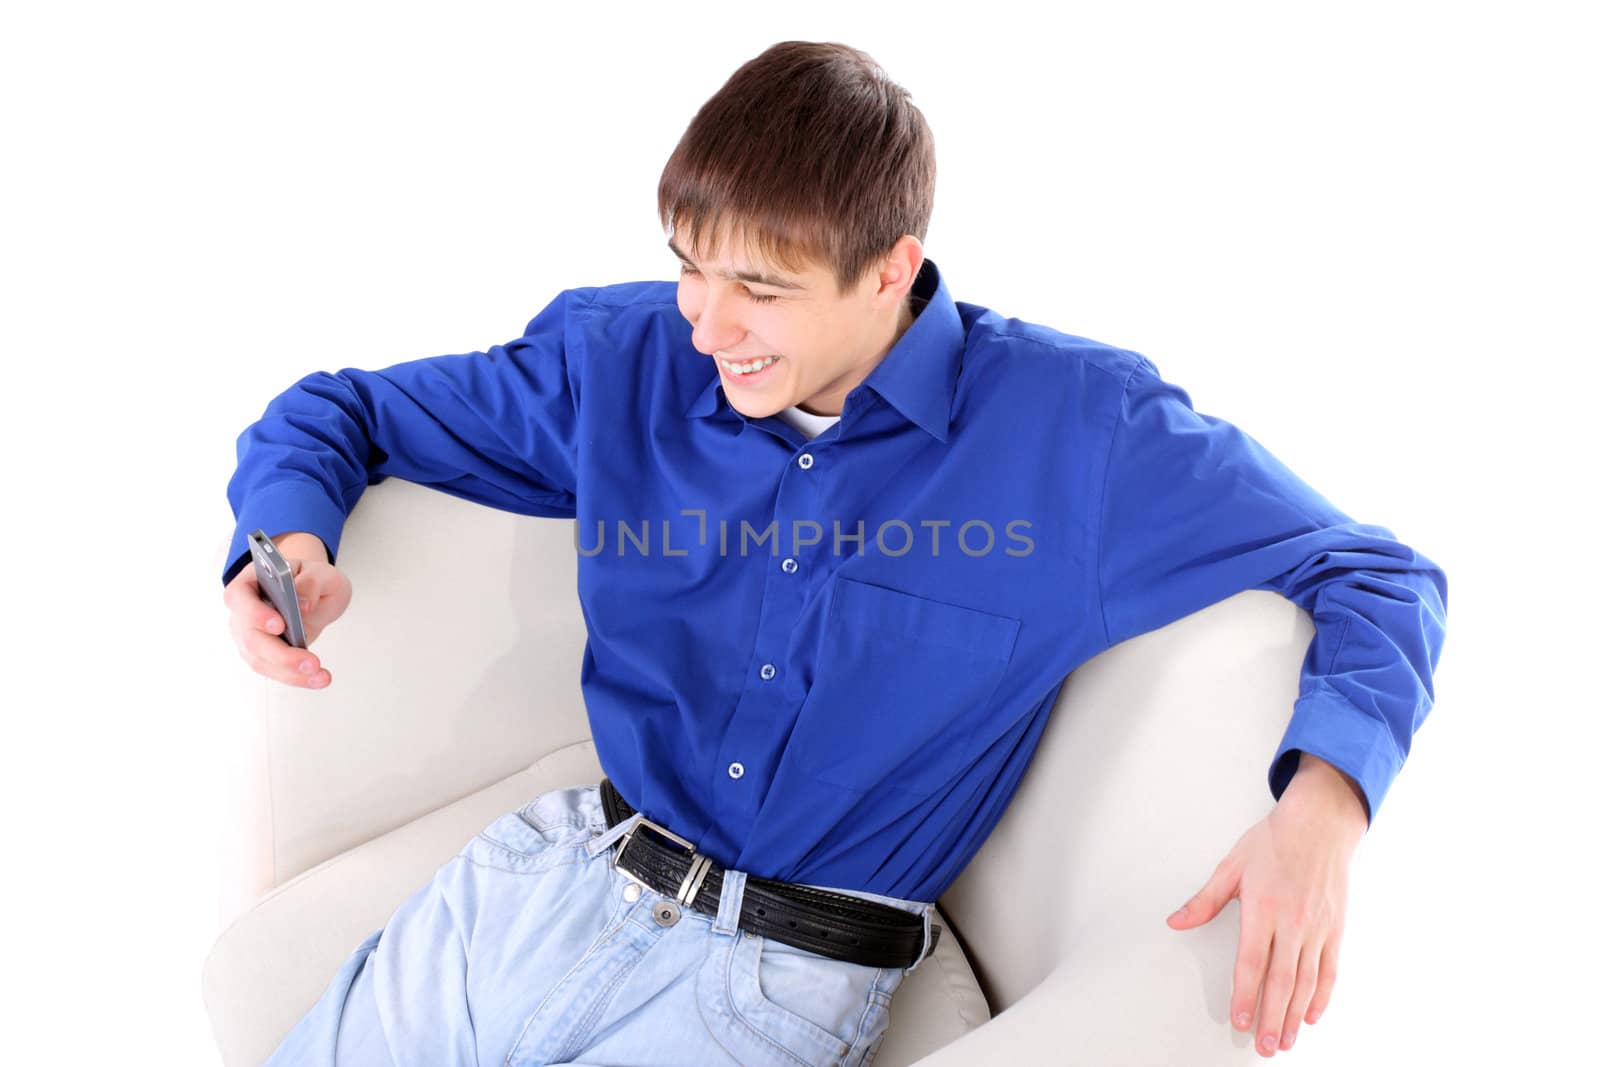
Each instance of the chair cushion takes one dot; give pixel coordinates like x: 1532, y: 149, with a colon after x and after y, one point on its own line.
x: 255, y: 992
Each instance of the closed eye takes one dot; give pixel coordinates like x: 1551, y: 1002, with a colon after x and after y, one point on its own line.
x: 757, y: 297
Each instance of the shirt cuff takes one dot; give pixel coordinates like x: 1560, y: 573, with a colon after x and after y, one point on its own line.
x: 282, y: 508
x: 1329, y: 727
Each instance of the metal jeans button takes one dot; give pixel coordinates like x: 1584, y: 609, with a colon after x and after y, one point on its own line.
x: 666, y: 912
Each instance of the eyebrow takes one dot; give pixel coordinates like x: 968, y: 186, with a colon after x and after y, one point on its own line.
x: 742, y: 275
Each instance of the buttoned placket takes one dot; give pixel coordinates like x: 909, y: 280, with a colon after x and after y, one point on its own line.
x: 745, y: 760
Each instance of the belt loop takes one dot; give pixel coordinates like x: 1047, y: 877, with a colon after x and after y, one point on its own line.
x: 597, y: 845
x: 731, y: 903
x: 927, y: 939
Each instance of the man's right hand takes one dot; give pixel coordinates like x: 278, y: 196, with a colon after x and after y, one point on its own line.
x: 324, y: 593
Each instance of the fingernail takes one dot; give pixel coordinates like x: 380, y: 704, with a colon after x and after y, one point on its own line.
x: 1269, y: 1043
x: 305, y: 666
x: 319, y: 681
x: 1313, y: 1017
x: 1243, y: 1018
x: 1288, y: 1039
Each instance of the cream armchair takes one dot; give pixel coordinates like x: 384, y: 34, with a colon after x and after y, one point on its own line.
x: 456, y: 699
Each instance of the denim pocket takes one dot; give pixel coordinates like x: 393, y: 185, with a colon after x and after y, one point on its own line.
x: 768, y: 1002
x: 902, y: 686
x: 547, y: 829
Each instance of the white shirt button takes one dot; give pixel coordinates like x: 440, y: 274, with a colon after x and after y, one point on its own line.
x: 735, y: 770
x: 767, y: 671
x: 806, y: 461
x: 790, y: 566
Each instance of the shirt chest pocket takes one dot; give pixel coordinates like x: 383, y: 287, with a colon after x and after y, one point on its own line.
x: 902, y: 690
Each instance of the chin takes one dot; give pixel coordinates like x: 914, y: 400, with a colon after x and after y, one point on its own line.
x: 757, y: 411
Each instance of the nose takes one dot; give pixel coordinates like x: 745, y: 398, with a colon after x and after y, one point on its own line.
x: 716, y: 328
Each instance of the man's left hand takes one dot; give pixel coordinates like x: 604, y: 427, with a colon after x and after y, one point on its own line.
x: 1290, y: 872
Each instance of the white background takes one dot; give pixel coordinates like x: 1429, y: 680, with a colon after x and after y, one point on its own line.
x: 1365, y: 233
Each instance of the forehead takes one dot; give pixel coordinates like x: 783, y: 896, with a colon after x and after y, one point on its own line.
x: 748, y: 267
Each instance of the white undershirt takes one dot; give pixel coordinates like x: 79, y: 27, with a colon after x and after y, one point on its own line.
x: 805, y: 422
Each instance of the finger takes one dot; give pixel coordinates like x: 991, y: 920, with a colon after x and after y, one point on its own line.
x: 308, y: 578
x: 244, y: 600
x: 1277, y: 989
x: 1212, y: 898
x: 1327, y: 968
x: 1255, y: 945
x: 1305, y: 984
x: 262, y: 616
x: 241, y: 590
x: 284, y: 676
x: 312, y: 585
x: 269, y: 656
x: 273, y: 656
x: 246, y: 620
x: 329, y: 596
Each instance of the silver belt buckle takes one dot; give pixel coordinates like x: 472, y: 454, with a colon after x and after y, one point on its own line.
x: 699, y: 865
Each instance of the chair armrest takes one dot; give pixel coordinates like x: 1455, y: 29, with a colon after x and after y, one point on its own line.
x: 456, y: 665
x: 1153, y: 765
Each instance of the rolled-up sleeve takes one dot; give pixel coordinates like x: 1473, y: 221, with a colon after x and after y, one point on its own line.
x: 496, y: 427
x: 1195, y: 510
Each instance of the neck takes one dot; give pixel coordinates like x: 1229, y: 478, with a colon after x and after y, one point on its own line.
x: 825, y: 404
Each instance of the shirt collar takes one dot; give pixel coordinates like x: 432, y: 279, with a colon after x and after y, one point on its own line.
x: 917, y: 376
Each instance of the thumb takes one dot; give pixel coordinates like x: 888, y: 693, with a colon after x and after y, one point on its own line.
x: 1204, y: 905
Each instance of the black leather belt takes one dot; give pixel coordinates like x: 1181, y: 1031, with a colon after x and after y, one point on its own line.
x: 835, y: 925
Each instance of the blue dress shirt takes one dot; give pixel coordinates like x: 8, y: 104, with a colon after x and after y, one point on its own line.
x: 830, y: 660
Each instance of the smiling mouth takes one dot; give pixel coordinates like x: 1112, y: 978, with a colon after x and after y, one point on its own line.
x: 748, y: 369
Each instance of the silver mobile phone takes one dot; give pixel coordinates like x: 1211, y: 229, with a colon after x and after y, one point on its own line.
x: 277, y: 586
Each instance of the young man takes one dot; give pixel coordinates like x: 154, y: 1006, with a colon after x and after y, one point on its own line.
x: 841, y: 540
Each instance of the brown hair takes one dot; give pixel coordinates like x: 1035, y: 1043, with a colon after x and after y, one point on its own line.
x: 811, y: 151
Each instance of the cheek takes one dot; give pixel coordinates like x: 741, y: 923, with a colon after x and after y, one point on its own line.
x: 781, y: 333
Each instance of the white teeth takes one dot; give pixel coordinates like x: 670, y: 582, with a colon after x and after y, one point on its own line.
x: 750, y: 367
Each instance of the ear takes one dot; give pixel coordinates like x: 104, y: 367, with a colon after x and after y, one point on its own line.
x: 898, y: 270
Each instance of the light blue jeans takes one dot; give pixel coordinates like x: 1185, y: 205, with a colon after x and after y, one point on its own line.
x: 526, y: 949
